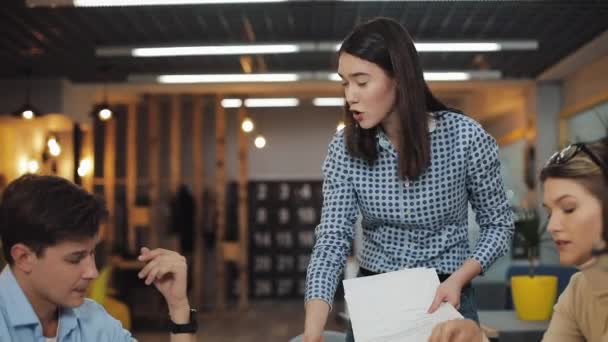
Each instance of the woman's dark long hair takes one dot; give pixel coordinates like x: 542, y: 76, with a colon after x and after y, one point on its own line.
x: 386, y: 43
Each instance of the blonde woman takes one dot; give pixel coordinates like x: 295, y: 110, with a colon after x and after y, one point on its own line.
x: 575, y: 197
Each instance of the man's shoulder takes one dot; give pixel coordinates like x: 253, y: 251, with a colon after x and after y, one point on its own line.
x: 94, y: 319
x: 90, y: 306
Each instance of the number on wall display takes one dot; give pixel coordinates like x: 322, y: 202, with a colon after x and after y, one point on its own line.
x: 307, y: 215
x: 306, y: 239
x: 284, y: 192
x: 283, y: 217
x: 305, y: 192
x: 284, y: 240
x: 261, y: 216
x: 263, y: 264
x: 285, y: 263
x: 263, y: 288
x: 285, y: 287
x: 262, y: 192
x: 262, y: 239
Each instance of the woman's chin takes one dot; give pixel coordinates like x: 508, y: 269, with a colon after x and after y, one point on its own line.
x: 572, y: 260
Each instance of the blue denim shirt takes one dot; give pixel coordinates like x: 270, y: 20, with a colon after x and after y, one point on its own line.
x: 87, y: 323
x: 412, y: 223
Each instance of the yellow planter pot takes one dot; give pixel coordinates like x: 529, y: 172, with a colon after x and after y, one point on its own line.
x: 534, y: 297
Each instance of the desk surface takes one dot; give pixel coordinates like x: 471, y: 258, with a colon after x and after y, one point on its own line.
x: 504, y: 321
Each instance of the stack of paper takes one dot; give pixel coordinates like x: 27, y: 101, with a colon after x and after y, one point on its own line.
x: 393, y: 306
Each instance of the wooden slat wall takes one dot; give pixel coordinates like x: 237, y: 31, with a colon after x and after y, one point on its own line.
x: 154, y: 166
x: 234, y: 251
x: 220, y: 189
x: 87, y: 153
x: 175, y: 144
x: 199, y: 186
x: 243, y: 212
x: 109, y: 178
x: 131, y: 184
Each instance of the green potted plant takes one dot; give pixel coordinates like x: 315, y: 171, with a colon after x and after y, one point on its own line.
x: 533, y: 295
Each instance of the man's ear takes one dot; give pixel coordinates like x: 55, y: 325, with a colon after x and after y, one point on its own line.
x: 23, y: 257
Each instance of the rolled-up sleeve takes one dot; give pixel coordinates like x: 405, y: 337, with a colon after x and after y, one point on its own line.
x: 334, y: 234
x: 488, y: 199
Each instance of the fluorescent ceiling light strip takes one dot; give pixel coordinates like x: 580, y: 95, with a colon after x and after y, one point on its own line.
x: 335, y: 77
x: 228, y: 78
x: 457, y: 47
x: 295, y: 47
x: 485, y: 74
x: 455, y: 75
x: 106, y: 3
x: 232, y: 103
x: 272, y: 102
x: 519, y: 45
x: 419, y: 0
x: 215, y: 50
x: 328, y: 101
x: 449, y: 75
x: 481, y: 46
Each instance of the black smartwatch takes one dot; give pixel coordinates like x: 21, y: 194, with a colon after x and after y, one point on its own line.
x: 188, y: 328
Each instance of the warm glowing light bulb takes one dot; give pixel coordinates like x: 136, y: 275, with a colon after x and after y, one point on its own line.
x: 51, y: 142
x: 27, y: 114
x: 54, y: 147
x: 85, y: 167
x: 105, y: 114
x: 260, y: 142
x: 247, y: 125
x: 55, y: 150
x: 32, y: 166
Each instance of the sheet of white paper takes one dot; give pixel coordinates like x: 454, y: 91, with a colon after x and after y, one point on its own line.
x: 393, y: 306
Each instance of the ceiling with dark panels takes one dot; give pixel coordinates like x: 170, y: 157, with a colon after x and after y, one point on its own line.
x: 61, y: 42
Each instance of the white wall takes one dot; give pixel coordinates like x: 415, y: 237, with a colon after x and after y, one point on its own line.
x: 512, y: 160
x: 297, y: 140
x: 590, y: 124
x: 549, y: 104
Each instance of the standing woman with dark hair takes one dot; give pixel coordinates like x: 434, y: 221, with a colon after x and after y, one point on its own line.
x: 410, y: 166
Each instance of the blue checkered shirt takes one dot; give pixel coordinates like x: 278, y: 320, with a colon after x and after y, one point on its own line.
x: 419, y: 223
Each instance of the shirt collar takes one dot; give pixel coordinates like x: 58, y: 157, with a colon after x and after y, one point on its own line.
x: 22, y: 313
x: 68, y: 321
x: 385, y: 143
